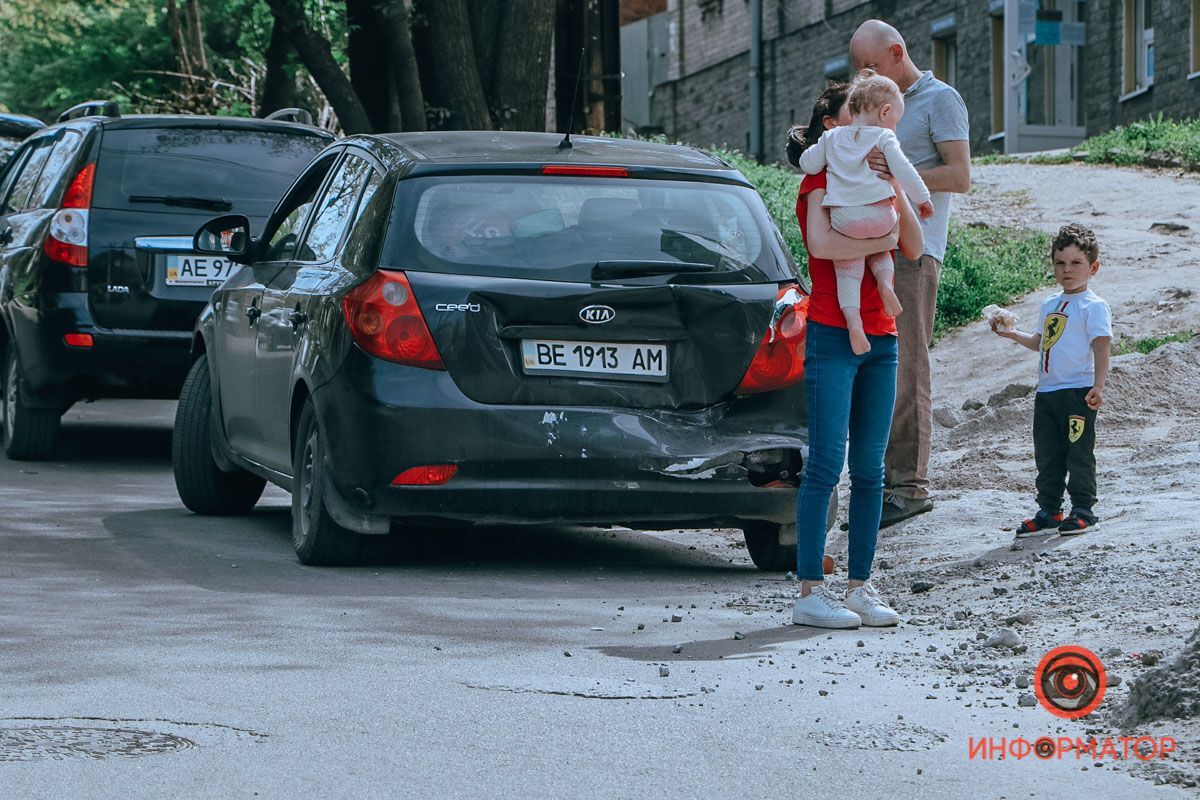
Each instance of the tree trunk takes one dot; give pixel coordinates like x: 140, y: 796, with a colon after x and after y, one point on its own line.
x: 366, y: 50
x: 570, y: 93
x: 314, y: 51
x: 178, y: 38
x: 279, y: 87
x: 402, y: 60
x: 522, y: 71
x: 486, y: 16
x: 195, y: 30
x: 447, y: 63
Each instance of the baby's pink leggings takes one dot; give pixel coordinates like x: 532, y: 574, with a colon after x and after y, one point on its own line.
x: 862, y: 222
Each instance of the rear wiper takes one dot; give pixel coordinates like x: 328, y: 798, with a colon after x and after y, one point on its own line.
x: 604, y: 270
x: 206, y: 203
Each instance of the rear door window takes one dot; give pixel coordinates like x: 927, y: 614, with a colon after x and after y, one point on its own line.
x: 334, y: 210
x: 245, y: 171
x: 54, y: 173
x: 12, y: 172
x: 560, y: 228
x: 20, y: 196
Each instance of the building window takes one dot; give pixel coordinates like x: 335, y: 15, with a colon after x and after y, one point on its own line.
x: 998, y: 74
x: 837, y: 69
x: 1139, y: 45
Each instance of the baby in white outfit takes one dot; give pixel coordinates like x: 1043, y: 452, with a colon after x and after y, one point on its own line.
x: 860, y: 203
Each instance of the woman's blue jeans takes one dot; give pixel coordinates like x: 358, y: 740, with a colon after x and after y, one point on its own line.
x: 849, y: 398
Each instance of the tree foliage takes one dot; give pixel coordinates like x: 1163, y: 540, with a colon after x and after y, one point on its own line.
x: 378, y: 64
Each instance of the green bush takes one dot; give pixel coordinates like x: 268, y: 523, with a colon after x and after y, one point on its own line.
x: 1131, y: 144
x: 1149, y: 344
x: 982, y: 266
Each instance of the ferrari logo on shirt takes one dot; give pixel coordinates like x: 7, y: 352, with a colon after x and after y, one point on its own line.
x: 1075, y: 426
x: 1056, y: 323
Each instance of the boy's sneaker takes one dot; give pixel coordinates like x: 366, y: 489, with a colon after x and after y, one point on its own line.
x: 865, y: 601
x: 1037, y: 523
x: 1079, y: 521
x: 823, y: 609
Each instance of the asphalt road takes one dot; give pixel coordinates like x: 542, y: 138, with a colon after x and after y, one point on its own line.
x: 150, y: 653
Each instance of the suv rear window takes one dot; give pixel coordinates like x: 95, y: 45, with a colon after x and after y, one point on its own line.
x: 249, y: 169
x: 560, y: 228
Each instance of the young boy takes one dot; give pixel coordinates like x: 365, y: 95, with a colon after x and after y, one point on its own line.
x: 1072, y: 370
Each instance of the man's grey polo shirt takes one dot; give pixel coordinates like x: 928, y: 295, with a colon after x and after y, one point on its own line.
x: 933, y: 112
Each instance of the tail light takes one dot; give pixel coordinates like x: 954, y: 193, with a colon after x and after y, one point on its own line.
x: 779, y: 361
x: 426, y: 475
x: 386, y: 321
x: 68, y: 239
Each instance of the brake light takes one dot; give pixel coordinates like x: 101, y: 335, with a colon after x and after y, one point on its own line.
x: 779, y: 361
x: 67, y: 242
x: 426, y: 475
x: 386, y: 321
x: 585, y: 172
x: 78, y: 340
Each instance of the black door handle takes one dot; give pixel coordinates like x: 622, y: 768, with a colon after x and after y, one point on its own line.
x: 297, y: 319
x: 6, y: 235
x: 253, y: 312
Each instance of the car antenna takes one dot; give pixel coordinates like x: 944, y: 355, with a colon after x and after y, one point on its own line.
x: 565, y: 144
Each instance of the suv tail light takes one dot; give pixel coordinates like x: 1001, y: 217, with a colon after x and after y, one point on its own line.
x: 68, y: 239
x: 386, y: 321
x: 779, y: 361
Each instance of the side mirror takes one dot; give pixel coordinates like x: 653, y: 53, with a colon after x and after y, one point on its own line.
x: 227, y: 236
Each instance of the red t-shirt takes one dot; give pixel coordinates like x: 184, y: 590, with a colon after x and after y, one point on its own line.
x: 823, y: 305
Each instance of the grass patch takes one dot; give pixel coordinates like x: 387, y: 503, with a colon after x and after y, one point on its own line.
x: 982, y: 266
x: 1149, y: 344
x: 988, y: 265
x: 1155, y: 142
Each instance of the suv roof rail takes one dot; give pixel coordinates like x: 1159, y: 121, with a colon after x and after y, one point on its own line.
x: 92, y: 108
x: 291, y: 115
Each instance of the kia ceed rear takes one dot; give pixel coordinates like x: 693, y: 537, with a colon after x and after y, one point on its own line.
x: 491, y: 328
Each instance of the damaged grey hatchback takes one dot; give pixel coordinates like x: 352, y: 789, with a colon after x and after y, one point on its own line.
x: 484, y: 328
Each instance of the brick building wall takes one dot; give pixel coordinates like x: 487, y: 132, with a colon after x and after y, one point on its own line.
x: 709, y: 104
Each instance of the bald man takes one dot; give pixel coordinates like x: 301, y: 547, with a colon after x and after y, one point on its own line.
x: 934, y: 135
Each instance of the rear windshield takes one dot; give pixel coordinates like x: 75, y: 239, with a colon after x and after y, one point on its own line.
x: 249, y: 170
x: 561, y: 228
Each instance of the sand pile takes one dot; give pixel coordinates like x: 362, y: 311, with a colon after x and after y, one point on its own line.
x: 1171, y: 690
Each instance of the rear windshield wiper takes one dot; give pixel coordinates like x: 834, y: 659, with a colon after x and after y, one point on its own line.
x: 206, y: 203
x: 603, y: 270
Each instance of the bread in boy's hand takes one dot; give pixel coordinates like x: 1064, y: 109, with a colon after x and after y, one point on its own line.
x: 1001, y: 319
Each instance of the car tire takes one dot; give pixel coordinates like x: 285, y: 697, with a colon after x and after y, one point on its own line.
x: 29, y: 434
x: 203, y: 486
x: 762, y: 540
x: 318, y: 540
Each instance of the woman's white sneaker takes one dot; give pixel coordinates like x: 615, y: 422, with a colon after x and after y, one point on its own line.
x: 823, y: 609
x: 869, y: 606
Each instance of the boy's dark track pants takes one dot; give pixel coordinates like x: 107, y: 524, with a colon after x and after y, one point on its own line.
x: 1064, y: 447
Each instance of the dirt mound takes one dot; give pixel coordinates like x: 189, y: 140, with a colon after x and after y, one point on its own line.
x: 1166, y: 380
x: 1172, y: 690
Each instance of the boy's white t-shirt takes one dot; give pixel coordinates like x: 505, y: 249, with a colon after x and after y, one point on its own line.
x: 1069, y: 323
x: 851, y: 181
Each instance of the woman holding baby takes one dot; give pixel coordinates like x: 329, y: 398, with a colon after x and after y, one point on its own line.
x: 850, y: 356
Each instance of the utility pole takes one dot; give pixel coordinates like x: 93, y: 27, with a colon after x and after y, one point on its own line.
x: 756, y: 84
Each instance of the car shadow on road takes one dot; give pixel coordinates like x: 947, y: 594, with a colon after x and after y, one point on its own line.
x: 748, y: 645
x: 254, y: 554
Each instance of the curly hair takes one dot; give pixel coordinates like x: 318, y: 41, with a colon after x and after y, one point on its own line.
x: 828, y: 104
x: 870, y: 90
x: 1078, y: 235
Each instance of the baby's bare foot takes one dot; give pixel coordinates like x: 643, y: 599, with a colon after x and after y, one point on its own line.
x: 859, y: 342
x: 891, y: 303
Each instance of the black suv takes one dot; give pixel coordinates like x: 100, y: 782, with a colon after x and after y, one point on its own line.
x: 99, y: 288
x: 474, y: 327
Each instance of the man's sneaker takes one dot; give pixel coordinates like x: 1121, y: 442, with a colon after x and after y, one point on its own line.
x: 897, y: 508
x: 823, y: 609
x: 865, y: 601
x: 1039, y: 522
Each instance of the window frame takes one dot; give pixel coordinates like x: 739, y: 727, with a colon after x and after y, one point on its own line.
x: 351, y: 217
x: 1138, y: 49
